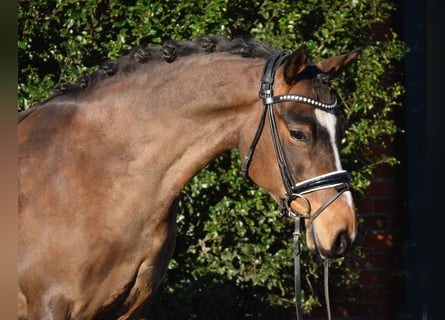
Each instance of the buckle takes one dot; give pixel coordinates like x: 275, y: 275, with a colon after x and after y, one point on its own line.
x: 285, y: 208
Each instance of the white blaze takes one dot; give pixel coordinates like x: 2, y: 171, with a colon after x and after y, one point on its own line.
x: 329, y: 121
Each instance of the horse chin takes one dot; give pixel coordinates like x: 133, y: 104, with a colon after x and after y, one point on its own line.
x: 339, y: 247
x: 310, y: 241
x: 313, y: 244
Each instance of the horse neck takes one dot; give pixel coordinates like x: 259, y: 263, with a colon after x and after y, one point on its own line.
x: 180, y: 116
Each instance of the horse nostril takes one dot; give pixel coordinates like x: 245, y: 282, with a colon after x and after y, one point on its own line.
x: 341, y: 244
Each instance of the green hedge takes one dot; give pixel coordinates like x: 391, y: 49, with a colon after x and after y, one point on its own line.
x: 233, y: 258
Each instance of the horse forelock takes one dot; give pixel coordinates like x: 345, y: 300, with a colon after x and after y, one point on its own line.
x: 168, y: 52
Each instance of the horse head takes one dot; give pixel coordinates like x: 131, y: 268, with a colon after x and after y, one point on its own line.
x: 296, y: 157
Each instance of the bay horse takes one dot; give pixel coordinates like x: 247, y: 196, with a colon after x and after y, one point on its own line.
x: 103, y: 161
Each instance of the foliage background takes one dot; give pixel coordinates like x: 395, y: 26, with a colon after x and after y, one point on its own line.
x: 234, y: 253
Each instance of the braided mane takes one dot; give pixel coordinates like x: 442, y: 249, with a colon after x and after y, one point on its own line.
x: 168, y: 52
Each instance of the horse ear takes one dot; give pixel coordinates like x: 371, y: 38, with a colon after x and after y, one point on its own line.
x: 335, y: 65
x: 295, y: 65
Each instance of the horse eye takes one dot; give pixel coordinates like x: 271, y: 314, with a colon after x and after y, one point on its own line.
x: 299, y: 135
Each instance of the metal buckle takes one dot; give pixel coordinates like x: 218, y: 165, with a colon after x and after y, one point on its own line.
x: 285, y: 208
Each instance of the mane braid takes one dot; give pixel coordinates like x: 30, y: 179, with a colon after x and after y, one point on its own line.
x: 168, y: 52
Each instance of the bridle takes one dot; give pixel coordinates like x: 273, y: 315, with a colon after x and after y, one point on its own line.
x: 339, y: 180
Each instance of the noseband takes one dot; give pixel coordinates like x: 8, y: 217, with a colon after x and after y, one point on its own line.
x: 340, y: 180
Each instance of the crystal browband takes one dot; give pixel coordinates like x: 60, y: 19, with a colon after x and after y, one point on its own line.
x: 303, y: 99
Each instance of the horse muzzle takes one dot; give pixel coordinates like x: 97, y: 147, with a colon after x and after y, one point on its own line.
x: 297, y: 204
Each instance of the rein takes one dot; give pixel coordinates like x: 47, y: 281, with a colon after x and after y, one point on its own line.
x: 339, y: 180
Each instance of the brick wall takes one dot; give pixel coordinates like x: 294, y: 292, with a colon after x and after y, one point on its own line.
x: 379, y: 295
x: 379, y: 292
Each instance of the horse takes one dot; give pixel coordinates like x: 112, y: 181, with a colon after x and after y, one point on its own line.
x: 102, y: 162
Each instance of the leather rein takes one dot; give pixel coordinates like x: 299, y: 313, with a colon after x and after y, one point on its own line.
x: 340, y: 180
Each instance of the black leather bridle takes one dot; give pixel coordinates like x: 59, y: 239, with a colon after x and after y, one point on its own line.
x: 340, y: 180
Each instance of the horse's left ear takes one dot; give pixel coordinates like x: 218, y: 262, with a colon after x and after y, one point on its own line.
x: 335, y: 65
x: 295, y: 64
